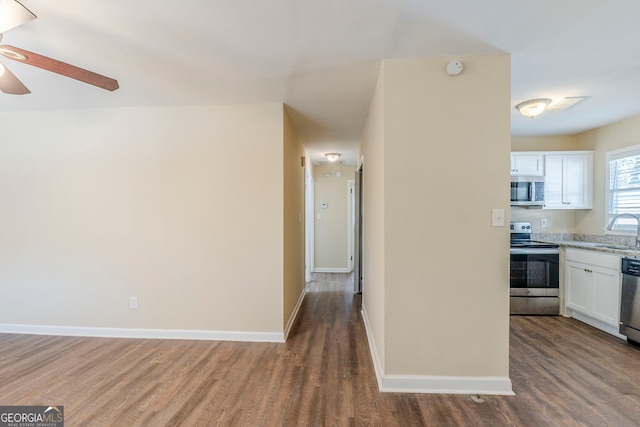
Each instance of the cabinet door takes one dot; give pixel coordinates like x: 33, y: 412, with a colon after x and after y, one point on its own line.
x: 579, y: 287
x: 554, y: 182
x: 606, y: 295
x: 568, y: 181
x: 577, y: 181
x: 527, y: 164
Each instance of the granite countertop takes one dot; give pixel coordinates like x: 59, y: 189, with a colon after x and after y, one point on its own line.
x: 620, y: 246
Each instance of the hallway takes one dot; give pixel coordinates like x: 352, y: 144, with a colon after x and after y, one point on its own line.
x: 564, y: 373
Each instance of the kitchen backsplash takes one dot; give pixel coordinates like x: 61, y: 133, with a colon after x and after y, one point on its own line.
x: 557, y: 220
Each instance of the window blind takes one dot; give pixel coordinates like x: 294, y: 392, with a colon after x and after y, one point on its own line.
x: 623, y: 187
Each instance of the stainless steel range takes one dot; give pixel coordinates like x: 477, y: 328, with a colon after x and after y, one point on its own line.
x: 534, y: 273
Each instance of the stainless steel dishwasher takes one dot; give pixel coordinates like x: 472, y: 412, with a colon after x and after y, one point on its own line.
x: 630, y: 300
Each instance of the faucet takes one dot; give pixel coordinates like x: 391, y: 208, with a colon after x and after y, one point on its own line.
x: 636, y: 217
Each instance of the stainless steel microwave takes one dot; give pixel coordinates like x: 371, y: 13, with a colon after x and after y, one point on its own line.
x: 527, y: 191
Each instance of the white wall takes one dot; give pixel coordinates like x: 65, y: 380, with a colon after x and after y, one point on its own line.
x: 181, y: 207
x: 441, y: 135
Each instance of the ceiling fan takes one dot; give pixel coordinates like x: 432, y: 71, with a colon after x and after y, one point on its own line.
x: 14, y: 14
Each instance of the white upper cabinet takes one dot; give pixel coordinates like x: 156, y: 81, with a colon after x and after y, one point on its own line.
x: 568, y: 180
x: 523, y: 164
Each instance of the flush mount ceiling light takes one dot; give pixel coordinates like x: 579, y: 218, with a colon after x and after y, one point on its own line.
x: 533, y: 107
x: 332, y: 157
x: 565, y: 103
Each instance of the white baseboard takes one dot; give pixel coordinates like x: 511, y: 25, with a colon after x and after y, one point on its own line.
x: 332, y: 270
x: 447, y: 385
x: 430, y: 383
x: 182, y: 334
x: 294, y: 315
x: 377, y: 366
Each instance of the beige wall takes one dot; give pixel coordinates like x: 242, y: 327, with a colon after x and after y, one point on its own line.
x: 160, y: 203
x: 621, y: 134
x: 331, y: 230
x: 545, y: 143
x: 440, y: 135
x: 293, y: 219
x: 373, y: 223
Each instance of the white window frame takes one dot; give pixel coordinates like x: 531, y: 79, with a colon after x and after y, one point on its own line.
x: 630, y: 229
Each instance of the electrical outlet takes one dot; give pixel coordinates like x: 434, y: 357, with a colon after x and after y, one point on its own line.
x: 133, y: 302
x: 543, y: 222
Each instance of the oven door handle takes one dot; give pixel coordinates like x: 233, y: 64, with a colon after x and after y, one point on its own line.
x: 532, y: 251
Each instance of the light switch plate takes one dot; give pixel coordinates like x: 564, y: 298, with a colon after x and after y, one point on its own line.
x: 497, y: 217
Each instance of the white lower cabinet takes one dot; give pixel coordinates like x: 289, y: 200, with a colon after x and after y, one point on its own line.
x: 592, y: 282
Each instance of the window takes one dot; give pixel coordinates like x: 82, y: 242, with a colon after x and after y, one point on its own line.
x: 623, y: 187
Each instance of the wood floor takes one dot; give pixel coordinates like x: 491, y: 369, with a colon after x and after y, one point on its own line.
x: 564, y: 374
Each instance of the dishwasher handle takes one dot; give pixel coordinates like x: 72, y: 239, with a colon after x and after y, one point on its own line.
x: 631, y: 266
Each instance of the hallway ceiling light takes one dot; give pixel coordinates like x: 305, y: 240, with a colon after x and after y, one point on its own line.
x: 533, y: 107
x: 332, y: 157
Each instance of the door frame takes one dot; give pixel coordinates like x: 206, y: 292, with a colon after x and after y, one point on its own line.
x: 351, y: 215
x: 358, y: 237
x: 309, y: 225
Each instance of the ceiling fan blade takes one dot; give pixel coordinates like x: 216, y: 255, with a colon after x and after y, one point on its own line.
x: 59, y: 67
x: 13, y: 14
x: 9, y: 83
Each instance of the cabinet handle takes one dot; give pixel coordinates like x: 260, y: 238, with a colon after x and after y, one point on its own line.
x: 588, y: 271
